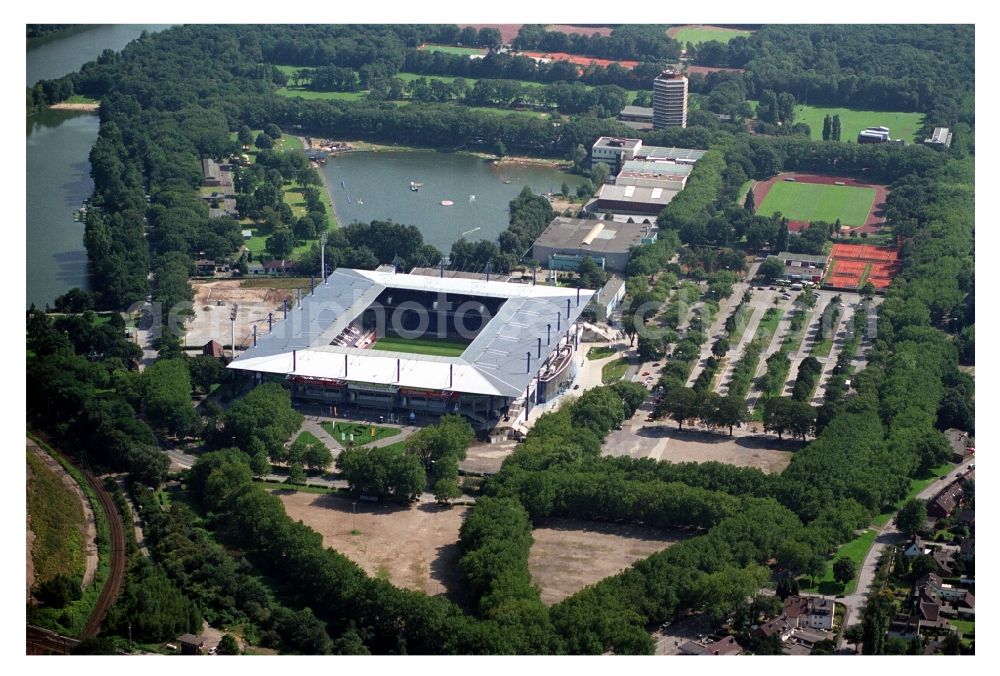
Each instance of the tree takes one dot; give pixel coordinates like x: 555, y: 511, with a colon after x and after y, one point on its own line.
x: 844, y: 570
x: 446, y: 490
x: 264, y: 142
x: 911, y: 516
x: 228, y: 646
x: 259, y: 464
x: 827, y: 127
x: 317, y: 456
x: 720, y: 347
x: 296, y: 474
x: 772, y: 268
x: 680, y: 403
x: 729, y: 411
x: 245, y: 135
x: 867, y: 290
x: 922, y: 565
x: 835, y: 128
x: 166, y: 396
x: 748, y: 203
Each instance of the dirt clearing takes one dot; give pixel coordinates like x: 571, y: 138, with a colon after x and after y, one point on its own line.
x: 568, y: 554
x: 662, y: 442
x: 213, y: 304
x: 413, y: 547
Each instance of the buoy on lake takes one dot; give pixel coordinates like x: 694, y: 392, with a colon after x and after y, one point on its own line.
x: 446, y: 203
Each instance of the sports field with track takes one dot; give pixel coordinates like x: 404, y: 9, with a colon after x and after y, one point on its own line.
x: 431, y: 346
x: 815, y: 202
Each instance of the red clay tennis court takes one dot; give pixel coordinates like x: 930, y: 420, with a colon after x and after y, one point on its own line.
x: 851, y: 264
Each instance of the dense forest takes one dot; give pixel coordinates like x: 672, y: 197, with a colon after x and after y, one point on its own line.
x: 170, y: 99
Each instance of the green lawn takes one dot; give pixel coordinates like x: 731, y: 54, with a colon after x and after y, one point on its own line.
x: 449, y: 49
x: 310, y: 95
x: 308, y: 438
x: 80, y: 98
x: 855, y: 550
x: 599, y: 352
x: 744, y: 189
x: 814, y: 202
x: 967, y: 627
x: 56, y: 521
x: 362, y: 432
x: 901, y: 125
x: 432, y: 346
x: 613, y: 371
x: 706, y: 34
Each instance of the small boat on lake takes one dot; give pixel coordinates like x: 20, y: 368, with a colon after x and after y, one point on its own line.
x: 415, y: 186
x: 446, y: 203
x: 343, y: 185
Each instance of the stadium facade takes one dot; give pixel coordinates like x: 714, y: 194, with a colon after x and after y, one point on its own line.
x: 517, y: 343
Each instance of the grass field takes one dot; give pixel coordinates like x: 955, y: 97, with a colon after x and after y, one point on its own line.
x: 916, y: 485
x: 56, y: 521
x: 431, y: 346
x: 613, y: 371
x: 362, y: 432
x: 706, y: 34
x: 814, y: 202
x: 449, y: 49
x: 855, y: 550
x: 310, y: 95
x: 600, y: 352
x: 901, y: 125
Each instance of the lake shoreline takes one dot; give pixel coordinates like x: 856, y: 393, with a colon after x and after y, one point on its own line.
x: 507, y: 160
x: 86, y: 107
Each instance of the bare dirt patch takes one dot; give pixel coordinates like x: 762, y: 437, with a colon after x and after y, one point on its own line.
x: 568, y: 554
x: 213, y: 303
x: 580, y: 29
x: 663, y: 442
x: 413, y: 547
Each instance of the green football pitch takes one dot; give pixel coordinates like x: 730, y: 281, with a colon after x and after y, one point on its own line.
x: 901, y: 125
x: 815, y: 202
x: 697, y: 35
x: 431, y: 346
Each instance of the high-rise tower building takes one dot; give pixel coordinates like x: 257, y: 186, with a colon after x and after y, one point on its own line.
x: 670, y: 100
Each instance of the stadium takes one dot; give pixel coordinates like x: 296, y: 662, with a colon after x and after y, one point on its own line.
x: 409, y: 344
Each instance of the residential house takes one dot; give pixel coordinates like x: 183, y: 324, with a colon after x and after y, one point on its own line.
x: 944, y: 503
x: 213, y: 349
x: 255, y: 268
x: 206, y: 266
x: 191, y: 644
x: 809, y: 611
x: 779, y: 625
x: 726, y: 646
x: 277, y: 268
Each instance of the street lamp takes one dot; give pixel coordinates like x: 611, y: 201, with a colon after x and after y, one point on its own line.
x: 354, y: 517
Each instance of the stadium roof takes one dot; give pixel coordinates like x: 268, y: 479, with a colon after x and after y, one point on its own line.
x: 494, y: 363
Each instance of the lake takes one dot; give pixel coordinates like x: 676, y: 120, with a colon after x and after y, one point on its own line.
x: 63, y: 55
x: 58, y: 168
x: 376, y: 186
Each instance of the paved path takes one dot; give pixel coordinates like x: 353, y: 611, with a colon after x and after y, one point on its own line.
x: 717, y: 329
x: 784, y: 324
x: 840, y: 335
x: 802, y: 350
x: 735, y: 351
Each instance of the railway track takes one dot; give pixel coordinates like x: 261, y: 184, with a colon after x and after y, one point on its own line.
x: 114, y: 583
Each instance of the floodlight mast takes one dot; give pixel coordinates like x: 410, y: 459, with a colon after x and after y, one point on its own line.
x: 232, y: 337
x: 322, y: 256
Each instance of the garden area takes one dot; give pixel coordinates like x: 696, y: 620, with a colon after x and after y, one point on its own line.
x: 361, y: 433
